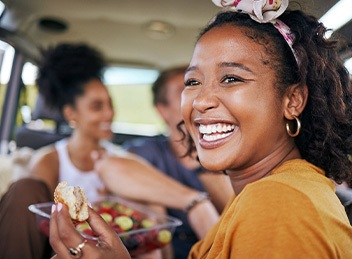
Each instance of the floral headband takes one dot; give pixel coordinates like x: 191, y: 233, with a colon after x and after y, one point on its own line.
x: 263, y: 11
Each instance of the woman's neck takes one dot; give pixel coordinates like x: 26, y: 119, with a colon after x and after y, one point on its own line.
x: 80, y: 151
x: 83, y: 143
x: 263, y: 168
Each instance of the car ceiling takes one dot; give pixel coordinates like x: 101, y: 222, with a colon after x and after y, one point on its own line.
x: 116, y: 26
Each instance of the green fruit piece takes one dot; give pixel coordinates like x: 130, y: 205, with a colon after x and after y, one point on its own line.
x: 82, y: 226
x: 164, y: 236
x: 147, y: 223
x: 106, y: 216
x: 106, y: 204
x: 129, y: 211
x: 124, y: 209
x: 124, y: 222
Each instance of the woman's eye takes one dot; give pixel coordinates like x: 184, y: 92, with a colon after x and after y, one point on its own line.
x: 231, y: 79
x: 191, y: 82
x: 97, y: 106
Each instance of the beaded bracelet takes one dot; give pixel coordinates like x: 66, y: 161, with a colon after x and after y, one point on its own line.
x: 201, y: 197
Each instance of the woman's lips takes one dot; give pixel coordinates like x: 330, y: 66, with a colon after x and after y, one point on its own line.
x: 105, y: 126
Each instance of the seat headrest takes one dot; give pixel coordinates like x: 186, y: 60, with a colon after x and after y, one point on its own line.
x: 42, y: 111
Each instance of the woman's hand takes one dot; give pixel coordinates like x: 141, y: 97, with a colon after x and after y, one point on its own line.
x: 64, y: 236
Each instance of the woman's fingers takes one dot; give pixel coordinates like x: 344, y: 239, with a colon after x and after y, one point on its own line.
x: 55, y: 240
x: 99, y: 226
x: 64, y: 238
x: 66, y: 241
x: 107, y: 236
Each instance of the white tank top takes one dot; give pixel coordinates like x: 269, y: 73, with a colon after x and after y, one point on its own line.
x: 89, y: 181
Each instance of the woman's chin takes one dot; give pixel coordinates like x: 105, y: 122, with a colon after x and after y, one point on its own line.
x: 106, y: 136
x: 212, y: 167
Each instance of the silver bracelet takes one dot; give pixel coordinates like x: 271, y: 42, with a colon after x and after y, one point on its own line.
x: 201, y: 197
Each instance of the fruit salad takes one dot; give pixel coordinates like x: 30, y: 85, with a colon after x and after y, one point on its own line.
x: 138, y: 231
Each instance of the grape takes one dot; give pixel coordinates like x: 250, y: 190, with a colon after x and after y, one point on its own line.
x: 106, y: 216
x: 147, y: 223
x: 164, y: 236
x: 124, y: 222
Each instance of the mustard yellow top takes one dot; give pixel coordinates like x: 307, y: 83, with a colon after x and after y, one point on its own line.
x: 293, y: 213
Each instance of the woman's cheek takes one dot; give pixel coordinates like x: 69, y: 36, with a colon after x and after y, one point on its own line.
x: 186, y: 108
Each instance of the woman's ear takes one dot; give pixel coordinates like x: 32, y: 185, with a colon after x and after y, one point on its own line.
x: 68, y: 113
x: 295, y: 100
x: 163, y: 111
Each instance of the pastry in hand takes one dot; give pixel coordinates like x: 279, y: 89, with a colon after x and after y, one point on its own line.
x: 74, y: 198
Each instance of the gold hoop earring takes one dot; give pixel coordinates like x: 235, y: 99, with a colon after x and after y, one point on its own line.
x: 298, y: 127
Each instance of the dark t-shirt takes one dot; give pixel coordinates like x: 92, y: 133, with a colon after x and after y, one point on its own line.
x: 157, y: 151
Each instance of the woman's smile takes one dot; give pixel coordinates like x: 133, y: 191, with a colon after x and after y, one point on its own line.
x: 212, y: 135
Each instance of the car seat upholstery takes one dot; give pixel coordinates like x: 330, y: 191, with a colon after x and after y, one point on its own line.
x: 35, y: 135
x: 345, y: 196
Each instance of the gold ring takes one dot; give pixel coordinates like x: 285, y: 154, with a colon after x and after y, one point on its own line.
x: 77, y: 252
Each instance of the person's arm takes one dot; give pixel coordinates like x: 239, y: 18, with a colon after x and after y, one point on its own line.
x: 135, y: 179
x: 44, y: 166
x: 219, y: 187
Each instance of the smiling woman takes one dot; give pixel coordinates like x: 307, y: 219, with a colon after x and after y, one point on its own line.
x: 243, y: 110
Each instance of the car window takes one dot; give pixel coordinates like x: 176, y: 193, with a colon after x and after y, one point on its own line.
x: 6, y: 59
x: 130, y: 89
x: 29, y: 91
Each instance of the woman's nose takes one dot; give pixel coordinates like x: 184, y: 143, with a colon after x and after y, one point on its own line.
x: 109, y: 112
x: 206, y: 99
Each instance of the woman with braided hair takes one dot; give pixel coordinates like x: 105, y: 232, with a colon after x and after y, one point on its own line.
x: 268, y: 102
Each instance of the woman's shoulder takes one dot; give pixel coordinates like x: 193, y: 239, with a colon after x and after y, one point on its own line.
x: 297, y: 178
x: 44, y: 165
x: 46, y: 156
x: 305, y: 191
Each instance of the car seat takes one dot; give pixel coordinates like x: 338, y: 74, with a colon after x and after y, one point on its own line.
x: 46, y: 127
x: 345, y: 196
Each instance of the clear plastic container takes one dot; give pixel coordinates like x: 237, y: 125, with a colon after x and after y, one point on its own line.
x: 140, y: 229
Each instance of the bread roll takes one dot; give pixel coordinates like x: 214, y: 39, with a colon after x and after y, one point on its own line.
x: 74, y: 198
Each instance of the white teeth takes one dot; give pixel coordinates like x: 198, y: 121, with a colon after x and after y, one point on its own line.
x: 216, y: 131
x: 105, y: 126
x: 215, y: 136
x: 215, y: 128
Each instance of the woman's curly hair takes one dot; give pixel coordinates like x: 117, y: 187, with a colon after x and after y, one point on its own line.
x: 64, y: 70
x: 326, y: 136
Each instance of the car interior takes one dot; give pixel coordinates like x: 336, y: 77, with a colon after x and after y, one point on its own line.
x: 138, y: 39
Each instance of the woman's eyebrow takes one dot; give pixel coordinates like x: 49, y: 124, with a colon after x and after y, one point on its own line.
x: 234, y: 64
x: 224, y: 64
x: 191, y: 68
